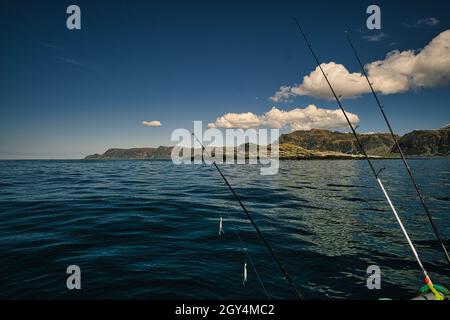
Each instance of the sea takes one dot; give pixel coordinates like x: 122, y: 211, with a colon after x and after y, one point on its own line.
x: 150, y: 229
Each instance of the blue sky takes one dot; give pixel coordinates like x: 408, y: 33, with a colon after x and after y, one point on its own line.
x: 66, y: 94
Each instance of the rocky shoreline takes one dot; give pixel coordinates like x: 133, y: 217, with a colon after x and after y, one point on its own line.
x: 317, y: 144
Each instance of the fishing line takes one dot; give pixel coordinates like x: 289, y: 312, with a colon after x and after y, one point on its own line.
x: 235, y: 229
x: 361, y: 147
x: 249, y: 217
x: 405, y: 162
x: 243, y: 249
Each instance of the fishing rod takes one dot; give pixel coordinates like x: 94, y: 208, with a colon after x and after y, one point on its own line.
x: 263, y: 239
x: 376, y: 174
x: 397, y: 145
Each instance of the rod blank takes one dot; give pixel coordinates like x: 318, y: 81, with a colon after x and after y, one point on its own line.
x: 361, y: 147
x: 402, y: 155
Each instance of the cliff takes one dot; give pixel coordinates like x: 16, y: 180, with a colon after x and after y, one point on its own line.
x: 317, y: 143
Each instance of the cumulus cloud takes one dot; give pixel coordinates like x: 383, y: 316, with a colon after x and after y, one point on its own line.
x: 296, y: 119
x: 153, y: 123
x: 348, y: 84
x: 237, y: 120
x: 398, y: 72
x: 410, y: 70
x: 282, y: 94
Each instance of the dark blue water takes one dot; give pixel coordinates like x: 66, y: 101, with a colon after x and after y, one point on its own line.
x: 149, y: 230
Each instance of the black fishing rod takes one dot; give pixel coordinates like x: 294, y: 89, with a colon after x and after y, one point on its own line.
x: 376, y: 174
x: 263, y: 239
x: 405, y: 162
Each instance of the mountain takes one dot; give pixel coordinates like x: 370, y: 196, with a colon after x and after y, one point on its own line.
x: 426, y: 142
x: 286, y: 151
x: 317, y: 144
x: 376, y: 144
x: 160, y: 153
x: 289, y: 151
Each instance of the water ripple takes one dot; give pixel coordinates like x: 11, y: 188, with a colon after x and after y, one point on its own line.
x: 149, y: 230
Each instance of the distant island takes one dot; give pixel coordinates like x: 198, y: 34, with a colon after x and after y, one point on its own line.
x: 320, y: 144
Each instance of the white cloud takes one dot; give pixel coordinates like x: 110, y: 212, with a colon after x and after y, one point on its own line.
x: 71, y: 61
x: 282, y: 94
x: 428, y: 22
x: 431, y: 22
x: 153, y: 123
x: 375, y: 37
x: 236, y: 120
x: 398, y: 72
x: 411, y: 70
x: 296, y: 119
x: 348, y: 84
